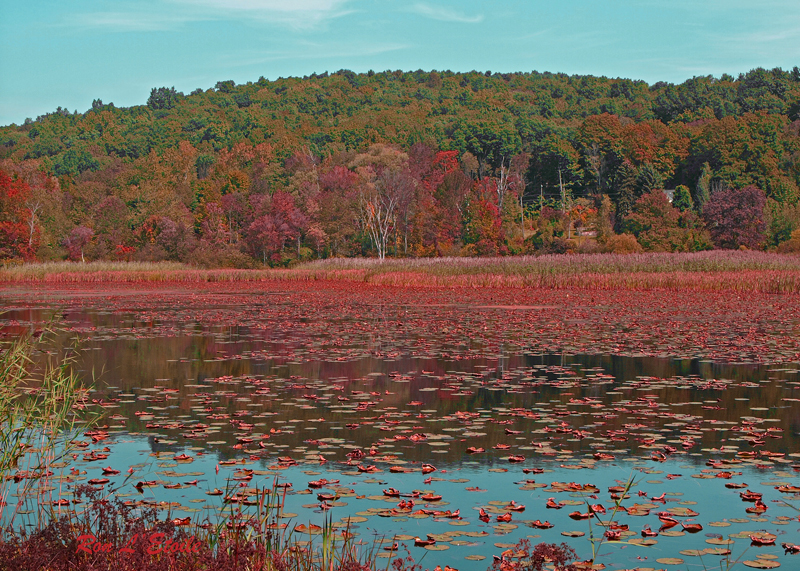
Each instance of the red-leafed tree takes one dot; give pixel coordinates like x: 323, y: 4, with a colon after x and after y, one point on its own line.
x: 285, y: 209
x: 18, y: 230
x: 76, y: 242
x: 735, y: 217
x: 164, y: 238
x: 449, y: 190
x: 337, y: 216
x: 437, y: 216
x: 265, y: 237
x: 268, y: 233
x: 483, y: 223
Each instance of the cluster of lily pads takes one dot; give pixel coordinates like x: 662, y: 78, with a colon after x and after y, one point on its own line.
x: 446, y: 427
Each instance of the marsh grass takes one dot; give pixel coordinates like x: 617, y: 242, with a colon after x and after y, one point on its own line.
x: 713, y: 260
x: 596, y: 541
x: 40, y: 269
x: 41, y: 412
x: 100, y: 532
x: 738, y: 271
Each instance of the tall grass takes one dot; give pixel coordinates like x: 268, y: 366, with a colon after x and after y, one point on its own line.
x: 736, y: 271
x: 105, y: 533
x: 45, y: 270
x: 40, y: 412
x: 708, y: 261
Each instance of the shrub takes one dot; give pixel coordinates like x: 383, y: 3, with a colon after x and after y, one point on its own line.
x: 77, y: 241
x: 622, y: 244
x: 112, y: 535
x: 587, y: 246
x: 783, y: 218
x: 556, y: 246
x: 208, y: 255
x: 522, y: 557
x: 792, y: 245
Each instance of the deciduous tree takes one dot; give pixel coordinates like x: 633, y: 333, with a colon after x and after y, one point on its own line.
x: 17, y: 228
x: 76, y: 242
x: 735, y: 217
x: 659, y: 227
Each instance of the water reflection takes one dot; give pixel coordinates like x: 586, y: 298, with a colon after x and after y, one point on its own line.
x: 254, y: 383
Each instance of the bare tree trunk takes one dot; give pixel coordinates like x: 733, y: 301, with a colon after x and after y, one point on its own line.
x: 33, y: 208
x: 502, y: 187
x: 379, y: 214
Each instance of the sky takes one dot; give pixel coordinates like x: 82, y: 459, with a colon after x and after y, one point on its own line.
x: 69, y: 53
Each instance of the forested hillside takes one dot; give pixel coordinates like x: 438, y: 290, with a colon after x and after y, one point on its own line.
x: 409, y: 164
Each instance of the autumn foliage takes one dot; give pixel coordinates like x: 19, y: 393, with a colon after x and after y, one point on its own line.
x: 735, y: 217
x: 416, y: 164
x: 17, y: 238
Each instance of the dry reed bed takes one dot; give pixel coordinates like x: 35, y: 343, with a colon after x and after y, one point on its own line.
x: 715, y: 271
x: 715, y: 260
x: 741, y: 281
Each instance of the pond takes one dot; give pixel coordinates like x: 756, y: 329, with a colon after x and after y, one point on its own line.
x: 464, y: 403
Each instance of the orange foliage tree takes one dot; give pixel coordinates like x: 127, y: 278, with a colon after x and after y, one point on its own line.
x: 18, y: 235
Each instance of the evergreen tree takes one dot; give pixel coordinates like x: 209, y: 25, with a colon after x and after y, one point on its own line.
x: 625, y: 187
x: 682, y: 198
x: 703, y: 188
x: 605, y: 216
x: 163, y: 98
x: 648, y: 180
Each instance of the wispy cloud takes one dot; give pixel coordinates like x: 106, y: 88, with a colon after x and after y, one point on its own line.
x: 444, y: 14
x: 309, y: 50
x: 133, y: 21
x: 295, y: 13
x: 167, y: 15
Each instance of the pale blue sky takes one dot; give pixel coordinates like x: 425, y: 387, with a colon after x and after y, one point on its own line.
x: 67, y: 53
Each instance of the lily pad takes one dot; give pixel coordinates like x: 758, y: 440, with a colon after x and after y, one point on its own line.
x: 761, y: 564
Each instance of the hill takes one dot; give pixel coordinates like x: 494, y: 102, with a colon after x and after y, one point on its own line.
x: 407, y: 164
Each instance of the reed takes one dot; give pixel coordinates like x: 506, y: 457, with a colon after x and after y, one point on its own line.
x: 41, y: 410
x: 713, y: 260
x: 108, y: 534
x: 595, y: 540
x: 713, y: 271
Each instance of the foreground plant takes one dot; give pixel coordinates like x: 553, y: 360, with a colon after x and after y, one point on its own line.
x: 523, y: 557
x: 597, y: 542
x: 41, y: 410
x: 104, y: 533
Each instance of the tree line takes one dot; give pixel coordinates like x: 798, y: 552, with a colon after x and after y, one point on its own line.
x: 409, y: 164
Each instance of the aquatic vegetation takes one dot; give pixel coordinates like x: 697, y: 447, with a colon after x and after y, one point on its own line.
x: 41, y: 408
x: 712, y: 271
x: 525, y: 557
x: 404, y: 419
x: 98, y: 531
